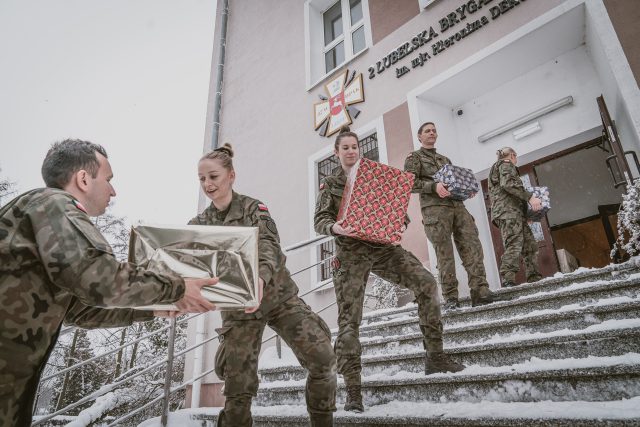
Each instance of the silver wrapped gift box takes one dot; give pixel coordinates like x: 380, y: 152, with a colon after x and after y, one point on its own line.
x: 541, y: 193
x: 461, y: 182
x: 202, y: 251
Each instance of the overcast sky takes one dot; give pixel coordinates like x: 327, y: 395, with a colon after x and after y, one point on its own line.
x: 132, y: 75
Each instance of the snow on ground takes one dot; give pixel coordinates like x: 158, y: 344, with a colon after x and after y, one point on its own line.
x: 607, y: 325
x: 270, y: 359
x: 617, y: 409
x: 534, y: 364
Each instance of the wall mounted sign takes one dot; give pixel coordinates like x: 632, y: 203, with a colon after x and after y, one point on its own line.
x: 452, y: 20
x: 336, y: 109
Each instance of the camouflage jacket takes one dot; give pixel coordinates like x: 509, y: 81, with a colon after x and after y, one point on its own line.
x: 506, y: 192
x: 326, y: 213
x: 247, y: 212
x: 56, y: 267
x: 424, y: 163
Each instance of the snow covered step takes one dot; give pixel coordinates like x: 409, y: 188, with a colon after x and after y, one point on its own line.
x: 409, y: 414
x: 611, y: 338
x: 590, y: 379
x: 577, y: 293
x: 612, y: 272
x: 568, y: 316
x: 572, y: 316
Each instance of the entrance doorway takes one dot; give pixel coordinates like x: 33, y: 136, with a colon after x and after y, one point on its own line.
x: 582, y: 220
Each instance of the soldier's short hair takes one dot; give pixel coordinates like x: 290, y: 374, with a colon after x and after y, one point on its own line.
x: 223, y: 154
x: 505, y: 152
x: 425, y: 124
x: 67, y: 157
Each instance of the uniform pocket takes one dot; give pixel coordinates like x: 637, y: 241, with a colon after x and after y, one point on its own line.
x: 430, y: 221
x: 221, y: 354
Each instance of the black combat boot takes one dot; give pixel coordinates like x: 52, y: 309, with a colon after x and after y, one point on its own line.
x: 441, y: 362
x: 321, y: 420
x: 354, y: 399
x: 534, y: 278
x: 477, y: 299
x: 451, y: 304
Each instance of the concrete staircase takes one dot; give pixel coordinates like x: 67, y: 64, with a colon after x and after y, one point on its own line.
x: 562, y: 351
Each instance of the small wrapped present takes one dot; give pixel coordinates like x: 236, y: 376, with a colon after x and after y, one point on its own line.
x: 375, y: 201
x: 202, y: 251
x: 541, y: 193
x: 461, y: 182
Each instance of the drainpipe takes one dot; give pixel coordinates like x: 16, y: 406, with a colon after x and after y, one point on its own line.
x: 217, y: 105
x: 198, y: 357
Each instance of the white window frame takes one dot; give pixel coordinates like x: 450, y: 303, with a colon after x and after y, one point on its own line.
x: 375, y: 126
x: 425, y: 3
x: 315, y: 48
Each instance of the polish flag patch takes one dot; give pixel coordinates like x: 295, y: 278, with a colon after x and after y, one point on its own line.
x: 262, y: 207
x: 79, y: 206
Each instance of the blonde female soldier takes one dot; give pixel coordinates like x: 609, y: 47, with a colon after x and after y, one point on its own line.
x: 303, y: 330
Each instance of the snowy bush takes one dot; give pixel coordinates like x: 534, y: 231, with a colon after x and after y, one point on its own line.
x: 385, y: 294
x: 629, y: 222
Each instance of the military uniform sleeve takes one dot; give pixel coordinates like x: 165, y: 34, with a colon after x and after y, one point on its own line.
x: 325, y: 213
x: 88, y: 317
x: 195, y: 221
x: 270, y: 254
x: 78, y: 259
x: 421, y: 184
x: 511, y: 182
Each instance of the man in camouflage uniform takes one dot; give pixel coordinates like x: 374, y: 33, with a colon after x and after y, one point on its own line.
x: 444, y: 217
x: 308, y: 336
x: 354, y: 260
x: 55, y: 266
x: 509, y: 201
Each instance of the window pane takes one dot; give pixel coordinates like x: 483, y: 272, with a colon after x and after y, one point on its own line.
x: 356, y: 11
x: 332, y: 23
x: 334, y: 57
x: 358, y: 40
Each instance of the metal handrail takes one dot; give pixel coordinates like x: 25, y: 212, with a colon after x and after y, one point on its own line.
x: 115, y: 350
x: 317, y: 240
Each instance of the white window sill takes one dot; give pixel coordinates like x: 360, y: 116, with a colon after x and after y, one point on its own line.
x: 325, y: 285
x: 331, y: 72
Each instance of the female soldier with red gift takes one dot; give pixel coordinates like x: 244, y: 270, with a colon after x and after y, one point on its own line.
x: 354, y: 260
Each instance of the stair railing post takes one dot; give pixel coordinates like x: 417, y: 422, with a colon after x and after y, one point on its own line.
x: 167, y: 379
x: 279, y: 347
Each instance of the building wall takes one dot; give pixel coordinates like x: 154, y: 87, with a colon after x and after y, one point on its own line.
x: 529, y: 56
x: 625, y: 16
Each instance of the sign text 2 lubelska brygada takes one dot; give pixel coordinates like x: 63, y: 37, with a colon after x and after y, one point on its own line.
x: 469, y: 12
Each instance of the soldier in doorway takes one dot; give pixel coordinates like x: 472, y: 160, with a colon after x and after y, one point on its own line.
x: 354, y: 260
x: 509, y: 201
x: 443, y: 218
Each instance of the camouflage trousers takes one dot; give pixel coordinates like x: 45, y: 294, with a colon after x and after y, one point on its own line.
x: 518, y: 242
x: 18, y: 388
x: 391, y: 263
x: 442, y: 222
x: 309, y: 338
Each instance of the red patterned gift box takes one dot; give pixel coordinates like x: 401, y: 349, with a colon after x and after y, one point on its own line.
x: 375, y: 201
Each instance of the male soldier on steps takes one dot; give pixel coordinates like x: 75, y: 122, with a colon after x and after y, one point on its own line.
x: 444, y: 217
x: 55, y: 266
